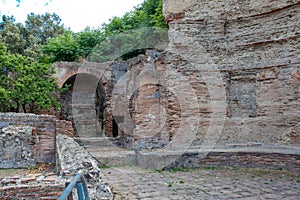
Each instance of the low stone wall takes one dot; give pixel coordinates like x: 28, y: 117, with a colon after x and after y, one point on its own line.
x: 27, y: 139
x: 71, y: 159
x: 275, y: 161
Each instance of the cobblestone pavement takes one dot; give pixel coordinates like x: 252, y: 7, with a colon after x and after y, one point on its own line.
x: 205, y: 183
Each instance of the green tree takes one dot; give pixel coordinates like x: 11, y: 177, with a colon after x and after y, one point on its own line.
x: 87, y: 40
x: 148, y: 14
x: 157, y: 18
x: 25, y: 85
x: 27, y: 39
x: 13, y: 37
x: 6, y: 18
x: 130, y: 35
x: 43, y: 27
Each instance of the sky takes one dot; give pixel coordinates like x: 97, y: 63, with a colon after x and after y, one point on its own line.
x: 76, y: 14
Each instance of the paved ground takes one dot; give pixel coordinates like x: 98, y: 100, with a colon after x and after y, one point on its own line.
x: 216, y: 183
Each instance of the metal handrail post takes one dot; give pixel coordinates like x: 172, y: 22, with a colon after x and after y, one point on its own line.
x: 82, y: 190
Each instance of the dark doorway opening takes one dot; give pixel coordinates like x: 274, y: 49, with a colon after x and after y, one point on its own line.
x: 116, y: 121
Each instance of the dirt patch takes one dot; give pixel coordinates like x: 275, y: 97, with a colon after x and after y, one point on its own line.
x: 39, y: 168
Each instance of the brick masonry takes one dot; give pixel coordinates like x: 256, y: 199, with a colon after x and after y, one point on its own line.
x: 254, y: 48
x: 34, y: 186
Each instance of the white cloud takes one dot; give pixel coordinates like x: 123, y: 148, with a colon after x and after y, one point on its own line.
x: 75, y: 14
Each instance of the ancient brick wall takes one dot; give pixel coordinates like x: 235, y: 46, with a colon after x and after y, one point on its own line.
x: 28, y: 139
x: 255, y: 48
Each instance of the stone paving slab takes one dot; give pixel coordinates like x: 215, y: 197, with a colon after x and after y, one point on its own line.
x: 132, y: 182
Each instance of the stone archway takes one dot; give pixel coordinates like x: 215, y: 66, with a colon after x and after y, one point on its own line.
x: 86, y: 103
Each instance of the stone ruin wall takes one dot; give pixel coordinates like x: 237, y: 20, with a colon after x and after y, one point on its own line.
x: 29, y: 139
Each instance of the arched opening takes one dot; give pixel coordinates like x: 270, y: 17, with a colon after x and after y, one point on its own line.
x: 83, y: 102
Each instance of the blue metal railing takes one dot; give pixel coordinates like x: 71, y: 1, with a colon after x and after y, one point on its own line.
x: 82, y: 191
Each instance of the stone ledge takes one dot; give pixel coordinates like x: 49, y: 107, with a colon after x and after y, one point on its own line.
x: 269, y: 157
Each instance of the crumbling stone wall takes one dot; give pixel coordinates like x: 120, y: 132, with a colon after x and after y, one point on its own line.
x: 33, y: 186
x: 27, y: 139
x: 17, y: 147
x: 72, y: 159
x: 239, y: 59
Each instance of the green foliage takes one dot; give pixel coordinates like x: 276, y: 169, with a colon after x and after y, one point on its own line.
x: 62, y: 48
x: 12, y: 36
x: 43, y: 38
x: 32, y: 167
x: 25, y: 85
x: 87, y: 40
x: 124, y: 36
x: 179, y: 169
x: 170, y: 184
x: 213, y: 168
x: 71, y: 46
x: 158, y: 18
x: 4, y: 100
x: 6, y: 19
x: 148, y: 14
x: 127, y: 36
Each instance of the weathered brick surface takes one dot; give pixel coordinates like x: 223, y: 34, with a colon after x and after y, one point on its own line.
x: 64, y: 127
x: 255, y: 48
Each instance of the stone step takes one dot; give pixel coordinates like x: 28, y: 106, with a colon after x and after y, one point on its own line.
x: 113, y: 156
x: 198, y: 156
x: 83, y: 105
x: 95, y: 142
